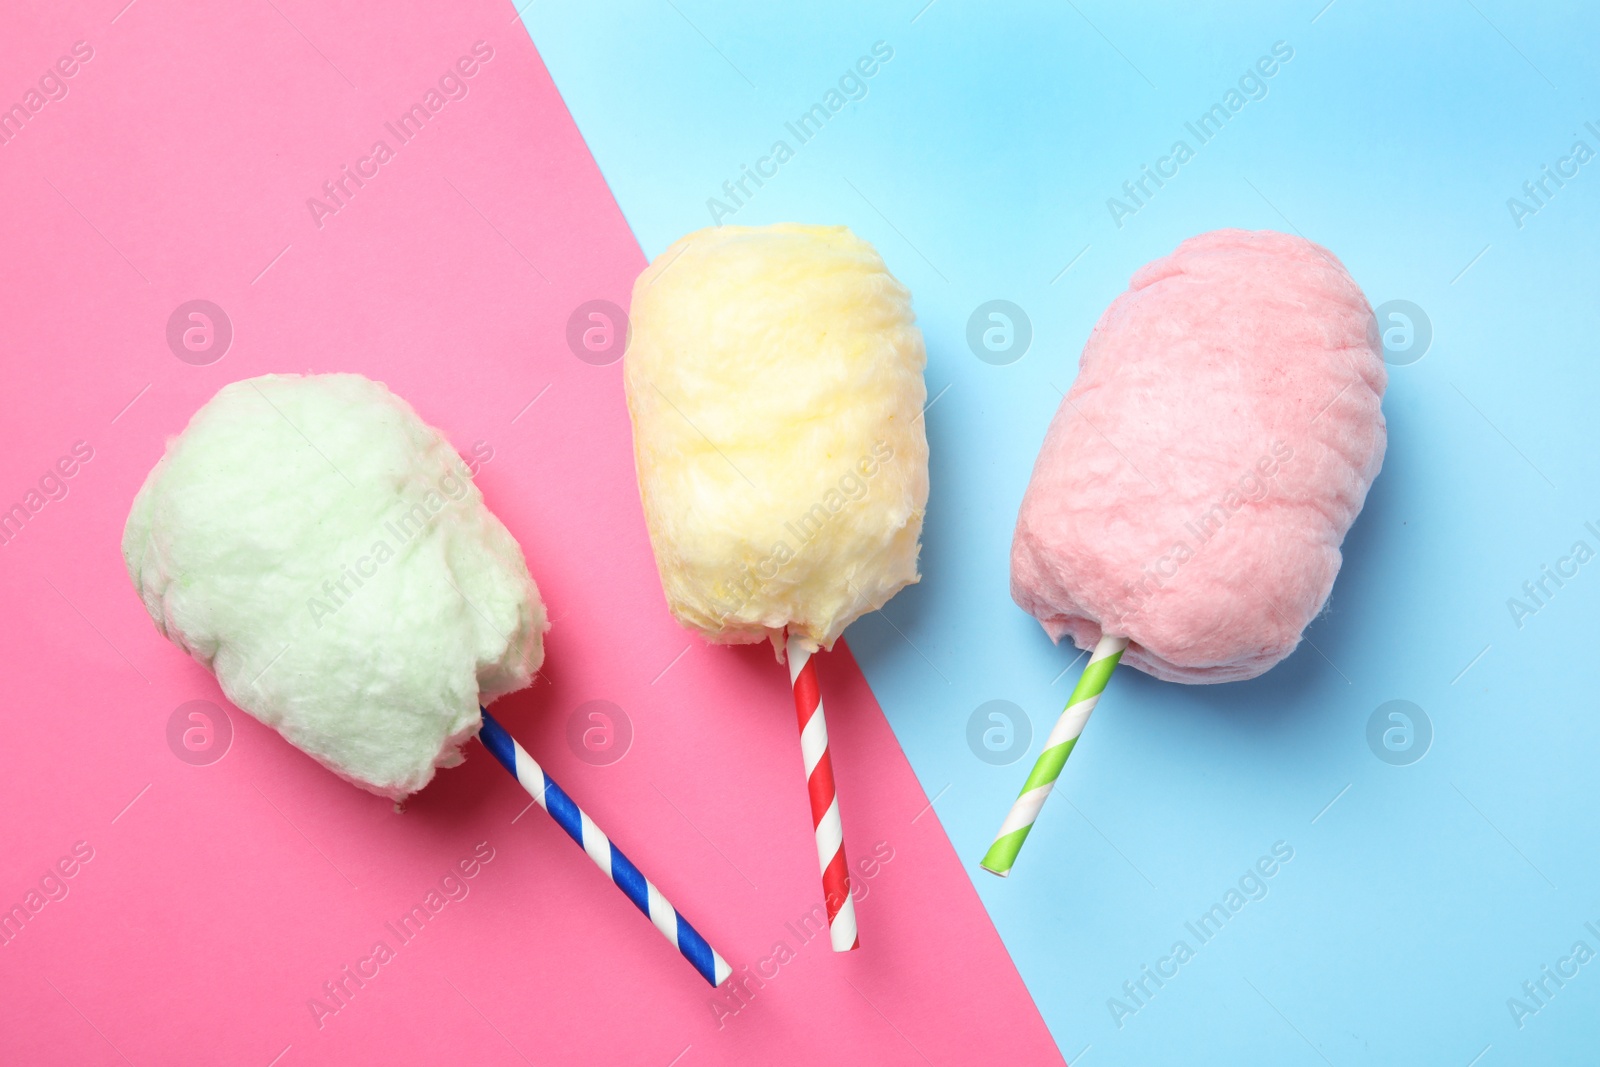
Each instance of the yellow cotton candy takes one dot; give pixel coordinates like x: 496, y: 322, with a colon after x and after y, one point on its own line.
x: 774, y: 378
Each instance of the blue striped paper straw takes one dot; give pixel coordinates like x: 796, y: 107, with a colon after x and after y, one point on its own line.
x: 607, y: 856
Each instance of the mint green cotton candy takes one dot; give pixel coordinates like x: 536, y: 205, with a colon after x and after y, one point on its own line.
x: 325, y: 552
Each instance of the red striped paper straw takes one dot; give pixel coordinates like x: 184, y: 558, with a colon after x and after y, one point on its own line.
x: 824, y: 800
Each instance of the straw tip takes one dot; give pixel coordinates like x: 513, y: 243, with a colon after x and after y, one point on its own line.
x: 996, y: 871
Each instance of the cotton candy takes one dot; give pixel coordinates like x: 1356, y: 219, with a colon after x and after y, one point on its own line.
x: 1198, y: 480
x: 326, y: 553
x: 774, y: 379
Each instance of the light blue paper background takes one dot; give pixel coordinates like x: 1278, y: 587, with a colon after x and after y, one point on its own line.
x: 980, y: 162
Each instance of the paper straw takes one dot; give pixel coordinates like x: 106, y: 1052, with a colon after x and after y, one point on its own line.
x: 1057, y: 747
x: 607, y: 856
x: 824, y: 801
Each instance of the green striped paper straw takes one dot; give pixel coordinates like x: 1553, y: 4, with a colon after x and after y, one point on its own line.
x: 1057, y: 747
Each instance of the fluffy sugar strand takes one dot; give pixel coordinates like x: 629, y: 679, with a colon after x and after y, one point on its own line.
x: 1199, y: 478
x: 774, y: 379
x: 325, y: 552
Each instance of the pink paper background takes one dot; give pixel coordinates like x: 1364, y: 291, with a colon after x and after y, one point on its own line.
x: 218, y: 901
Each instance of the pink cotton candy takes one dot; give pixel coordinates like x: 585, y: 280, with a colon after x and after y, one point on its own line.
x: 1197, y: 482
